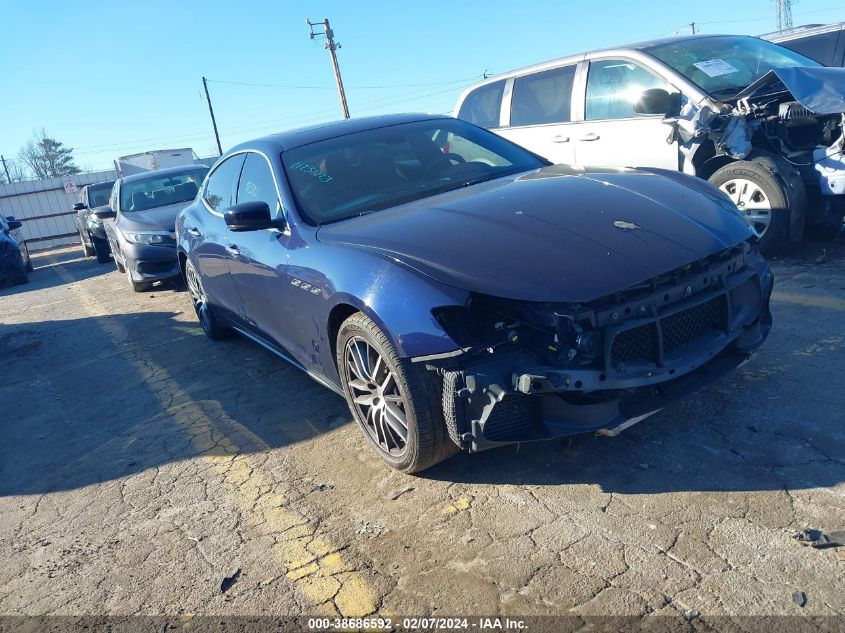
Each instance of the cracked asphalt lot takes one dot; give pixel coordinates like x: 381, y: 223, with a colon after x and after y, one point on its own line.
x: 141, y: 464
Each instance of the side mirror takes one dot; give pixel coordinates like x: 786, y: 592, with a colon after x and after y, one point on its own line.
x: 14, y: 224
x: 104, y: 214
x: 79, y: 206
x: 251, y: 216
x: 658, y: 101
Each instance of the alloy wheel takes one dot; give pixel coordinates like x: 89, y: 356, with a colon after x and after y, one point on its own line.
x: 752, y: 201
x: 198, y: 297
x: 377, y: 396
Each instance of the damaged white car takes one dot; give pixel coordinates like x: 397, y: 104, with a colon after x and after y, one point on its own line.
x: 762, y: 123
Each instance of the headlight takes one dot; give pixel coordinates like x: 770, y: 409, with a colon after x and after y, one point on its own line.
x: 148, y: 237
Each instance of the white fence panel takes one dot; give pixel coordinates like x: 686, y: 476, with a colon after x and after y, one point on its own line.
x: 45, y: 209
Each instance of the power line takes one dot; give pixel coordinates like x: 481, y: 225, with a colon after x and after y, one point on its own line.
x: 712, y: 22
x: 379, y: 87
x: 258, y: 126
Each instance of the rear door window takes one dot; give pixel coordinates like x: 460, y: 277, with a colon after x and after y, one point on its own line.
x: 222, y: 185
x: 543, y: 98
x: 483, y: 105
x: 615, y: 85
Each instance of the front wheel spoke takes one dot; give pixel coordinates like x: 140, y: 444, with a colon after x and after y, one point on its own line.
x: 394, y: 440
x: 359, y: 385
x: 763, y: 218
x: 370, y: 419
x: 382, y: 432
x: 363, y: 365
x: 364, y: 400
x: 388, y: 381
x: 395, y: 417
x: 377, y: 367
x: 393, y: 398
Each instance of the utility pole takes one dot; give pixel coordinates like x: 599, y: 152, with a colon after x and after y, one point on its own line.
x: 211, y: 112
x: 332, y: 47
x: 5, y: 168
x: 692, y: 26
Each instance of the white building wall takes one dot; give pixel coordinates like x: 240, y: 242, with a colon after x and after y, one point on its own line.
x: 45, y: 209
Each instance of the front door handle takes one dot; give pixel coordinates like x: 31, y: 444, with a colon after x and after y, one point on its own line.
x: 233, y: 249
x: 194, y: 232
x: 560, y: 138
x: 592, y: 136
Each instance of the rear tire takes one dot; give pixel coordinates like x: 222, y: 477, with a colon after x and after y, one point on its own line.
x: 762, y: 197
x: 390, y: 397
x: 101, y: 249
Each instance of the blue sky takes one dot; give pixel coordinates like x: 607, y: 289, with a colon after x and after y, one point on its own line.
x: 110, y: 77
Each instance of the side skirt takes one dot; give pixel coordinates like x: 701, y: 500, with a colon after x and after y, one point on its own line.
x: 275, y: 350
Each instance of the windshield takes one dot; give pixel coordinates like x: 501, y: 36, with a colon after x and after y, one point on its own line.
x: 98, y: 195
x: 159, y: 191
x: 725, y: 64
x: 367, y: 171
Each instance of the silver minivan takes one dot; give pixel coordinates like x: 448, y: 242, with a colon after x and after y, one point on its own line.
x: 761, y: 122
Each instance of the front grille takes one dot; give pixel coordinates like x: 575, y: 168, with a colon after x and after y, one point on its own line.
x: 512, y: 419
x: 152, y: 267
x: 684, y: 327
x: 641, y: 343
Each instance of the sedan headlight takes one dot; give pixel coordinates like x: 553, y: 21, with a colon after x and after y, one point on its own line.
x: 148, y: 237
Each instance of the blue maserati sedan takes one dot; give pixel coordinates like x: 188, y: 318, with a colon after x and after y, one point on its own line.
x: 461, y: 292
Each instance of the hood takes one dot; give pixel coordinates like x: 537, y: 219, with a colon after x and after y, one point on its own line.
x: 561, y: 233
x: 157, y: 219
x: 819, y: 89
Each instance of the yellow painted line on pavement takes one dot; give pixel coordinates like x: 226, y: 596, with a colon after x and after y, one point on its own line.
x: 813, y: 301
x: 316, y: 568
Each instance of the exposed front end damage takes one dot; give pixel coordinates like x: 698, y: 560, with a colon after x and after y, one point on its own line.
x: 790, y: 118
x: 533, y: 371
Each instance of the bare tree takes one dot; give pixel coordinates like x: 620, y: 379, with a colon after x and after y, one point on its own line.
x: 15, y: 172
x: 47, y: 157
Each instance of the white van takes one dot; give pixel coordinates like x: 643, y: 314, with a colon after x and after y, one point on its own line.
x: 761, y: 122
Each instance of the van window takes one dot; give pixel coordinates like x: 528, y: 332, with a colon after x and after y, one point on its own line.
x: 482, y: 105
x: 544, y: 97
x: 614, y: 86
x: 820, y: 47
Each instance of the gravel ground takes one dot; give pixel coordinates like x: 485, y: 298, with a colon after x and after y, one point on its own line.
x: 143, y: 464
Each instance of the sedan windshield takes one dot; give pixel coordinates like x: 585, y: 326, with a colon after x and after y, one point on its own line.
x: 161, y: 190
x: 723, y: 65
x: 359, y: 173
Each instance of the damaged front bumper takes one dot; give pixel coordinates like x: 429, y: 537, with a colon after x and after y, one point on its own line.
x: 651, y: 351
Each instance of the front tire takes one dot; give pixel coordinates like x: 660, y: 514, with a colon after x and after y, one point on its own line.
x: 211, y: 324
x: 762, y: 197
x: 101, y: 249
x: 87, y: 251
x: 396, y: 405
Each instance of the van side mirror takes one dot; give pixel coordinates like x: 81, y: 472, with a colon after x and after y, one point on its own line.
x: 14, y: 224
x: 79, y: 206
x: 251, y: 216
x: 658, y: 101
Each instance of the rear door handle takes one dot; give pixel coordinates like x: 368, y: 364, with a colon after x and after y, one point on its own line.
x: 560, y: 138
x: 233, y: 249
x: 192, y: 231
x: 592, y: 136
